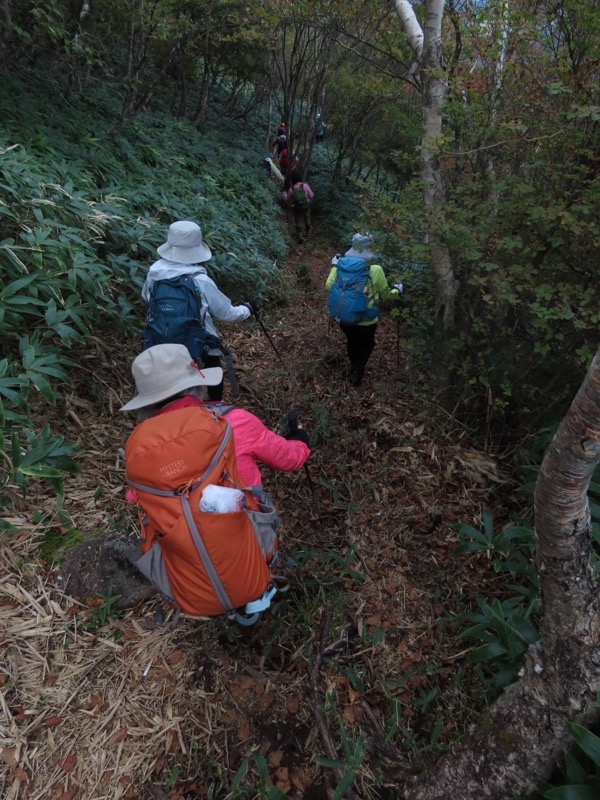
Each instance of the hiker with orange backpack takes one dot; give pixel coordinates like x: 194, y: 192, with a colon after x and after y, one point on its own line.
x: 209, y: 531
x: 183, y: 301
x: 300, y: 196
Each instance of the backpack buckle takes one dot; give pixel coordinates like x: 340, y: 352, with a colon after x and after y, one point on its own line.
x: 251, y: 612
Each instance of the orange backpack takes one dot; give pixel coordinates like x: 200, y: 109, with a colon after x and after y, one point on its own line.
x: 208, y: 563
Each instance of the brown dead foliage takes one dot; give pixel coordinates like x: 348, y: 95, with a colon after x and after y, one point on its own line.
x: 82, y: 718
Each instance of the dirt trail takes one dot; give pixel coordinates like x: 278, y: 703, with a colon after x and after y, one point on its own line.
x: 373, y: 560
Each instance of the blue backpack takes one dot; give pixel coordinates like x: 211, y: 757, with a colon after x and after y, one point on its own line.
x: 174, y: 316
x: 348, y: 297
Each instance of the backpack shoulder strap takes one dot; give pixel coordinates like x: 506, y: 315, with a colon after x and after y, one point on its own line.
x: 219, y: 408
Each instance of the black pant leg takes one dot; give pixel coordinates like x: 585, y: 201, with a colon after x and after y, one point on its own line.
x: 365, y: 346
x: 214, y: 392
x: 361, y: 342
x: 351, y: 348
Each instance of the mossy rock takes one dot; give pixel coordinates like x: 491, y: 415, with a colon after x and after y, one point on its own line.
x: 56, y: 542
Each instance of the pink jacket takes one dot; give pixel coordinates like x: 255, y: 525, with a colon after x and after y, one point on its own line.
x: 253, y: 442
x: 307, y: 191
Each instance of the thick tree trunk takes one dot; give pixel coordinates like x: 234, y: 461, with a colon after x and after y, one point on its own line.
x: 520, y: 737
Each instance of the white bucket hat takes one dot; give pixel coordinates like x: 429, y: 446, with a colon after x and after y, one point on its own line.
x: 184, y: 244
x: 165, y: 370
x: 361, y: 247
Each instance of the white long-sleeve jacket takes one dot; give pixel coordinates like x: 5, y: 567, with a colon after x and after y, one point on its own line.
x: 215, y: 304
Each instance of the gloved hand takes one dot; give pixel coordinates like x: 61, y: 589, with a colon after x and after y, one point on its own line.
x: 295, y: 432
x: 299, y: 435
x: 252, y: 305
x: 396, y: 293
x: 335, y: 259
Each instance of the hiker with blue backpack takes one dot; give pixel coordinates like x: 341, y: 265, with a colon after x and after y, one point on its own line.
x: 300, y: 196
x: 183, y: 301
x: 356, y: 287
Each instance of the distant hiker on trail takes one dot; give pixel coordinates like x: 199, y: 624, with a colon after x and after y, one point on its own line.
x: 183, y: 300
x: 320, y: 128
x: 209, y: 541
x: 300, y: 196
x: 277, y: 143
x: 284, y: 158
x: 356, y: 285
x: 281, y: 143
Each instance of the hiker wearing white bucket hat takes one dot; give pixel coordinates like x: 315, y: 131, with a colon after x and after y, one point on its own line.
x: 183, y: 255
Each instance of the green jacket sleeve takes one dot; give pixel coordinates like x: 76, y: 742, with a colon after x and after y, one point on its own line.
x: 331, y: 279
x: 380, y: 285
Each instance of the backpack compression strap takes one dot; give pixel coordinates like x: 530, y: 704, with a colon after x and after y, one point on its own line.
x: 209, y: 567
x: 235, y: 387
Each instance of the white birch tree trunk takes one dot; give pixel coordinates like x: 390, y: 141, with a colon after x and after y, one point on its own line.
x: 501, y: 35
x: 434, y: 90
x: 426, y: 44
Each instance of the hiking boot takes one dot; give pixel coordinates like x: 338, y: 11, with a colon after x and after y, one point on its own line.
x: 354, y: 378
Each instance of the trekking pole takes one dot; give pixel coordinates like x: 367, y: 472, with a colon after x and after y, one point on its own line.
x: 235, y: 387
x: 292, y: 421
x: 400, y: 287
x: 271, y: 342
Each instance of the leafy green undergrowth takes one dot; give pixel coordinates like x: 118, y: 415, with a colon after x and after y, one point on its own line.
x: 82, y: 210
x: 577, y: 776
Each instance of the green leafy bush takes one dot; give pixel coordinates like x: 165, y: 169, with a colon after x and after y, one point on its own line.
x: 502, y: 629
x: 82, y: 210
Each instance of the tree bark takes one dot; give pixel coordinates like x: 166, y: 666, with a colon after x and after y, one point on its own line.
x: 520, y: 737
x: 427, y: 47
x: 435, y: 89
x: 7, y: 34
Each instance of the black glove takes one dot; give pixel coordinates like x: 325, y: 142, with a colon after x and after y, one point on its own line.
x: 299, y: 435
x: 294, y: 431
x: 253, y: 306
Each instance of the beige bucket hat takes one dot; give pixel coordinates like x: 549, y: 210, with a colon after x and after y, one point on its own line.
x: 165, y: 370
x: 184, y: 244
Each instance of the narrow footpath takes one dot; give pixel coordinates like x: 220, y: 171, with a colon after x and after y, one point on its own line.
x: 128, y: 708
